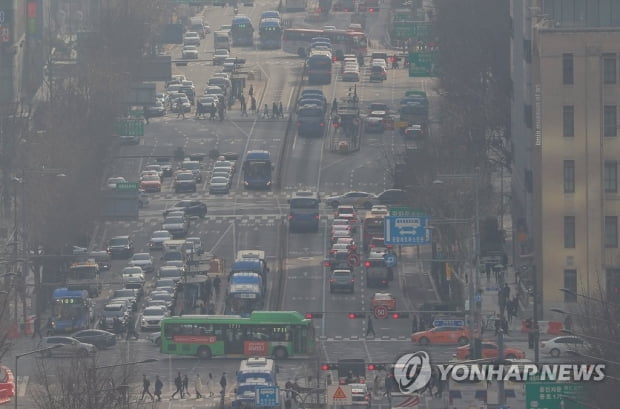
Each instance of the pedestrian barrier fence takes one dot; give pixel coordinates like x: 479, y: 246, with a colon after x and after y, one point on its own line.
x: 545, y: 327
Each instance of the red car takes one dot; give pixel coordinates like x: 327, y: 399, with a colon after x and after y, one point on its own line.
x: 490, y: 350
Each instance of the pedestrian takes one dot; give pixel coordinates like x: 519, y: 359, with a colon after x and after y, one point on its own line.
x: 145, y: 115
x: 198, y: 386
x: 506, y: 291
x: 178, y: 383
x: 180, y: 110
x: 504, y: 325
x: 211, y: 309
x: 252, y: 104
x: 370, y: 328
x: 216, y: 285
x: 251, y: 91
x: 274, y: 110
x: 244, y: 108
x: 289, y: 388
x: 210, y: 382
x: 334, y: 106
x: 266, y: 112
x: 388, y: 385
x: 37, y: 328
x: 288, y: 404
x: 159, y: 386
x: 223, y: 384
x: 376, y: 385
x: 49, y: 326
x: 568, y: 323
x: 280, y: 110
x: 414, y: 324
x: 131, y: 328
x: 186, y: 385
x: 146, y: 384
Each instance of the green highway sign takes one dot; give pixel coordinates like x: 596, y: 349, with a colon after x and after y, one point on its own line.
x: 405, y: 212
x: 129, y: 127
x: 420, y: 30
x: 554, y: 395
x: 422, y: 64
x: 128, y: 186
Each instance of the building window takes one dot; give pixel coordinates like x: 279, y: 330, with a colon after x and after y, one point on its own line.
x: 569, y: 176
x: 570, y: 283
x: 569, y: 232
x: 613, y: 284
x: 611, y: 232
x: 567, y: 69
x: 609, y: 69
x: 568, y: 120
x: 610, y: 120
x: 610, y: 176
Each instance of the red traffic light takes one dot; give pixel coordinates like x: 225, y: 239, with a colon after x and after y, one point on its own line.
x: 371, y: 10
x: 399, y: 315
x: 396, y: 315
x: 311, y: 315
x: 367, y: 264
x: 351, y: 315
x: 325, y: 367
x: 371, y: 367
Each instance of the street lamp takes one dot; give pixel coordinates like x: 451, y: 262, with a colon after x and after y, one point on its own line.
x: 475, y: 308
x: 25, y: 354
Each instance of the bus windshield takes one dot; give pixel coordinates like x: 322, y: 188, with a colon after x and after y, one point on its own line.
x: 304, y: 203
x: 68, y: 308
x: 83, y: 272
x: 257, y: 168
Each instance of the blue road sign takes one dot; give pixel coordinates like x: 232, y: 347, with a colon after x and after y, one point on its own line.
x: 449, y: 323
x: 390, y: 260
x: 267, y: 396
x: 407, y: 231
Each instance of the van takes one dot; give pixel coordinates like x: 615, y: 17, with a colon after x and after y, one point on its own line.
x: 197, y: 24
x: 170, y: 245
x: 257, y: 368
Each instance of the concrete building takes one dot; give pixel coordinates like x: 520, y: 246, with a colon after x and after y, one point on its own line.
x: 565, y: 134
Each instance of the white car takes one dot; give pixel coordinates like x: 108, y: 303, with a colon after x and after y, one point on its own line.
x: 154, y: 338
x: 111, y: 182
x: 379, y: 210
x: 158, y: 238
x: 189, y: 52
x: 152, y: 316
x: 559, y: 346
x: 220, y: 55
x: 142, y: 260
x: 351, y: 76
x: 191, y: 38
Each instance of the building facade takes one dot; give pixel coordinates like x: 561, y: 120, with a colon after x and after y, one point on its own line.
x: 565, y: 133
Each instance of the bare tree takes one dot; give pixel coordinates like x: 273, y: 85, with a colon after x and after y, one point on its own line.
x: 78, y: 383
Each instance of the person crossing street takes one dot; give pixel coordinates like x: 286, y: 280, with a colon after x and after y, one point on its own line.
x: 146, y: 384
x: 370, y: 328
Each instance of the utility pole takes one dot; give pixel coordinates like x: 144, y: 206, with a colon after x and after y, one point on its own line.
x: 501, y: 392
x: 535, y: 317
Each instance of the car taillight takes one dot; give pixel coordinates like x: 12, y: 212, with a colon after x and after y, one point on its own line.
x: 342, y: 382
x: 290, y: 217
x: 371, y: 10
x: 389, y: 246
x: 317, y: 217
x: 331, y: 281
x: 322, y: 124
x: 352, y: 280
x: 346, y: 10
x: 333, y: 251
x: 372, y: 246
x: 326, y: 263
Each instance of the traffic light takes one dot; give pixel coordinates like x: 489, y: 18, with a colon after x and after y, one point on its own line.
x: 310, y: 315
x: 399, y: 314
x: 328, y: 367
x: 353, y: 315
x: 377, y: 367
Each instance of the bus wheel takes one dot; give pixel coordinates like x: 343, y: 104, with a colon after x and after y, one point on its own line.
x: 280, y: 353
x: 204, y: 352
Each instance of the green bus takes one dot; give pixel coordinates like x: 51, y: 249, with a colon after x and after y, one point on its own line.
x: 280, y: 334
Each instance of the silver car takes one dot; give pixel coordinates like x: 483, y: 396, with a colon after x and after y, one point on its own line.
x: 158, y: 238
x: 177, y: 226
x: 219, y: 184
x: 357, y: 199
x: 68, y: 347
x: 152, y: 316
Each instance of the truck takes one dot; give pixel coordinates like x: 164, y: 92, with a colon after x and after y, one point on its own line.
x: 85, y: 275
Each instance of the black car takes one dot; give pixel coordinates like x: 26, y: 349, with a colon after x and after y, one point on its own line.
x: 165, y: 165
x: 392, y: 197
x: 120, y: 247
x: 97, y: 337
x: 190, y: 207
x: 185, y: 182
x: 342, y: 280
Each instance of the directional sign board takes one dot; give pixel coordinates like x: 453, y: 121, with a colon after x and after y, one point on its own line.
x: 128, y: 186
x: 549, y: 395
x: 407, y: 231
x: 267, y: 396
x: 339, y: 395
x: 422, y: 64
x: 405, y: 211
x: 449, y: 323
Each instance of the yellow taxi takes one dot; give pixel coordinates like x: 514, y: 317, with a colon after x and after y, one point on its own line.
x: 442, y: 335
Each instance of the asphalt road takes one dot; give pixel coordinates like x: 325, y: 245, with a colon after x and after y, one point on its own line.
x: 253, y: 220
